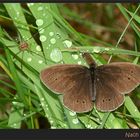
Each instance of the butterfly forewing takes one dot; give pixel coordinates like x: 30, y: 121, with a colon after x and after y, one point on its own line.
x: 122, y: 76
x: 79, y: 97
x: 74, y: 81
x: 112, y: 81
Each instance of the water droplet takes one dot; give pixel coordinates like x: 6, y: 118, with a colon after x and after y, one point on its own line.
x: 98, y: 119
x: 40, y: 61
x: 15, y: 17
x: 29, y: 59
x: 72, y: 113
x: 42, y: 99
x: 15, y: 124
x: 38, y: 48
x: 39, y: 22
x: 88, y: 125
x: 67, y: 43
x: 75, y: 56
x: 15, y: 97
x: 17, y: 13
x: 53, y: 41
x: 41, y: 31
x: 75, y: 121
x: 40, y: 8
x: 64, y: 126
x: 42, y: 103
x: 53, y: 127
x: 79, y: 62
x: 42, y: 38
x: 96, y: 50
x: 30, y: 4
x: 136, y: 110
x: 14, y: 103
x: 107, y: 49
x: 51, y: 121
x: 56, y: 55
x: 51, y: 33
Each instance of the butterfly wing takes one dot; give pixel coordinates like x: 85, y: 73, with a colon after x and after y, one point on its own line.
x: 114, y: 80
x: 107, y: 98
x: 74, y: 81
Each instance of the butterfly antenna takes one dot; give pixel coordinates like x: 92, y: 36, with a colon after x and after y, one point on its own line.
x: 89, y: 60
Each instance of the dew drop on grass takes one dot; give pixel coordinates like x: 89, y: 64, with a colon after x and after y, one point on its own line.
x: 56, y: 55
x: 43, y: 38
x: 107, y: 49
x: 53, y: 127
x: 51, y: 33
x: 14, y: 103
x: 40, y: 8
x: 53, y: 41
x: 14, y: 124
x: 75, y: 121
x: 42, y: 99
x: 38, y: 48
x: 41, y: 31
x: 88, y: 125
x: 79, y: 62
x: 67, y: 43
x: 72, y: 113
x: 40, y: 61
x: 29, y: 59
x: 96, y: 50
x: 51, y: 121
x: 17, y: 13
x: 30, y: 4
x: 75, y: 56
x: 39, y: 22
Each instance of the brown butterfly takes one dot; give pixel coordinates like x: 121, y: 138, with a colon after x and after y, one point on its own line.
x: 80, y: 85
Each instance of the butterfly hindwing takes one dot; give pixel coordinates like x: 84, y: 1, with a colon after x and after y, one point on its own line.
x: 107, y: 97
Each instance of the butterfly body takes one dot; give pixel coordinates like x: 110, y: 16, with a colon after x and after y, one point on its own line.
x: 80, y: 85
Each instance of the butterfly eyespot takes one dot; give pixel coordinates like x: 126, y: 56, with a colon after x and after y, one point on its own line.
x: 128, y: 78
x: 103, y: 100
x: 132, y: 71
x: 108, y: 99
x: 83, y: 102
x: 77, y: 101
